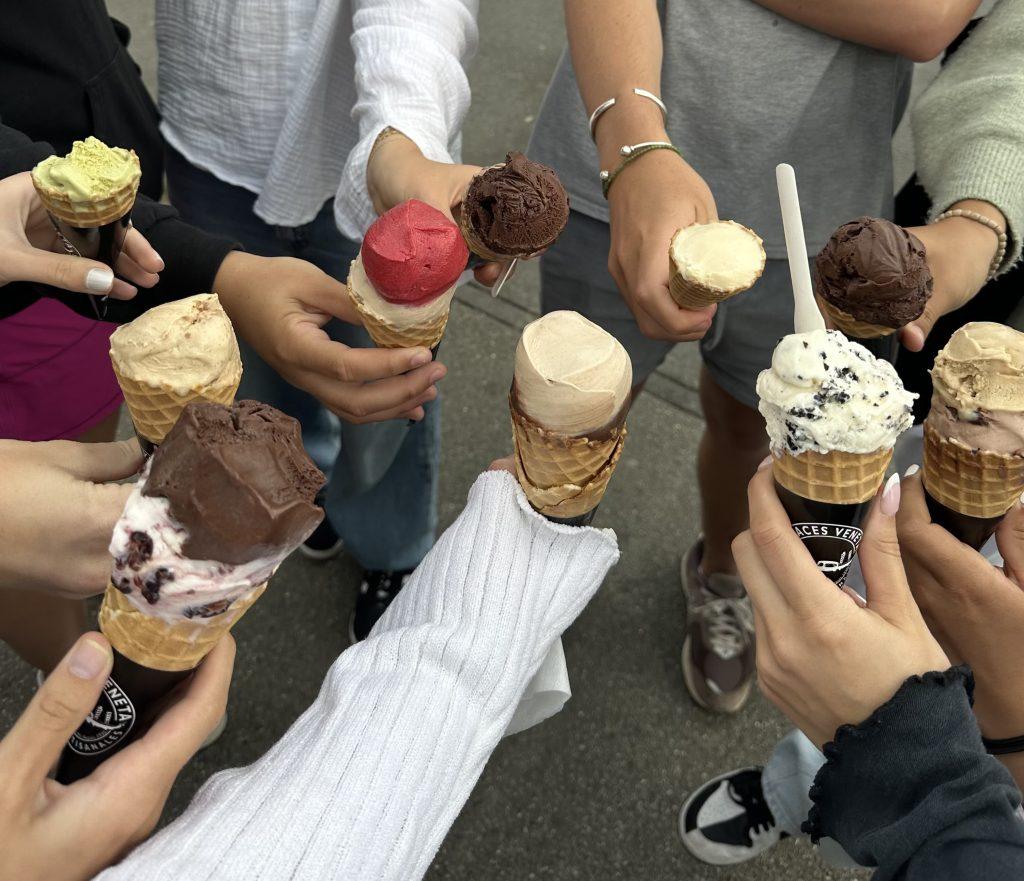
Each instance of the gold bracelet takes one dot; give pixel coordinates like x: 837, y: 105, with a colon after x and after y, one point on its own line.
x: 630, y: 153
x: 997, y: 261
x: 385, y: 133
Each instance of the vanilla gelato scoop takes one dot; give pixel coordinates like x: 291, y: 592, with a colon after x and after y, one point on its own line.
x: 570, y: 375
x: 824, y: 393
x: 722, y: 255
x: 182, y: 345
x: 978, y: 385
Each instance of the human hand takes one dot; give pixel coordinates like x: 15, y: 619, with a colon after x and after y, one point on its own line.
x: 30, y: 250
x: 959, y: 252
x: 650, y: 200
x: 822, y: 658
x: 507, y: 463
x: 57, y: 513
x: 975, y: 609
x: 52, y: 832
x: 397, y: 171
x: 280, y: 305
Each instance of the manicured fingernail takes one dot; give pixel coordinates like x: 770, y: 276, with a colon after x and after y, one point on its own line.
x: 911, y: 471
x: 88, y: 659
x: 99, y: 280
x: 1021, y: 500
x: 421, y: 359
x: 765, y: 462
x: 856, y: 597
x: 890, y: 503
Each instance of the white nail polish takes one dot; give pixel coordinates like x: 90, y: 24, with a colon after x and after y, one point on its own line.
x: 99, y: 280
x: 890, y: 502
x: 911, y: 471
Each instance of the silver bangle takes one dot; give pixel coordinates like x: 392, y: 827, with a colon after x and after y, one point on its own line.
x: 611, y: 102
x: 997, y: 261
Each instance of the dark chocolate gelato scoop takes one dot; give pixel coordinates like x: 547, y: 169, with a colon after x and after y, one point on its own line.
x: 874, y: 271
x: 518, y: 208
x: 238, y: 479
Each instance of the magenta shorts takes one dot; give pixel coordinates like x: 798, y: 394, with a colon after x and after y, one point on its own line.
x: 56, y: 381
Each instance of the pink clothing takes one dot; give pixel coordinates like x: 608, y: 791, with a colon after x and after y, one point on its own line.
x: 56, y: 381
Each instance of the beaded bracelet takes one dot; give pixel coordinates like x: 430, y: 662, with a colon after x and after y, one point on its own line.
x: 631, y: 153
x: 997, y: 261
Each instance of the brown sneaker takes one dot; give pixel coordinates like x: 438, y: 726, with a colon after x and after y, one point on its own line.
x: 718, y: 654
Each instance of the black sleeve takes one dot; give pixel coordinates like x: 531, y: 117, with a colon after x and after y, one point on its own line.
x: 913, y: 792
x: 19, y: 152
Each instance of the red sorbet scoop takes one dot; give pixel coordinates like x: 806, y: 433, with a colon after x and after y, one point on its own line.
x: 413, y: 253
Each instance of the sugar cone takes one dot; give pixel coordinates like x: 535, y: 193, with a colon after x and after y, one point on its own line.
x: 155, y: 409
x: 85, y: 215
x: 691, y: 294
x: 387, y: 336
x: 475, y: 245
x: 835, y: 477
x: 977, y: 483
x: 161, y: 645
x: 563, y: 476
x: 850, y: 326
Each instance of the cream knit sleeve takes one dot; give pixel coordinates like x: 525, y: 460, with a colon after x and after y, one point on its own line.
x: 969, y: 125
x: 365, y: 785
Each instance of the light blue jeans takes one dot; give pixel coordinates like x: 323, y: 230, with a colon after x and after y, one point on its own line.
x: 382, y: 494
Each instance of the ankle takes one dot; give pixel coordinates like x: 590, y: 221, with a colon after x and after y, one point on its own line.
x: 717, y: 563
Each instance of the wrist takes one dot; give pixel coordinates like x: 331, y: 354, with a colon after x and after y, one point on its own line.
x: 651, y: 170
x: 629, y: 124
x: 394, y: 160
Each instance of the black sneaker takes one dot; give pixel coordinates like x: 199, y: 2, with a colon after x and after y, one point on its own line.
x: 727, y: 821
x: 324, y: 543
x: 376, y: 592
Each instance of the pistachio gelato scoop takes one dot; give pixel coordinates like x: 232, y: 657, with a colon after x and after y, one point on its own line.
x: 91, y: 171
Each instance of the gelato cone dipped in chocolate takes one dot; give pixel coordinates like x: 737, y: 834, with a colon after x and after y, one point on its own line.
x: 568, y: 403
x: 833, y: 413
x: 179, y: 352
x: 974, y: 433
x: 225, y: 499
x: 711, y: 262
x: 403, y: 280
x: 872, y: 278
x: 89, y: 194
x: 514, y: 210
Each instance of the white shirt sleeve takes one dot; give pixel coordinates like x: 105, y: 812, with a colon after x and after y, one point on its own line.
x: 410, y: 58
x: 365, y: 785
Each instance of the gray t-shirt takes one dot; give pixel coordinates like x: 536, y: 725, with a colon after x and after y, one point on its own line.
x: 747, y: 89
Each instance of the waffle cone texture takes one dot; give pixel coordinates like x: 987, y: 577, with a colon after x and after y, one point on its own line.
x: 387, y: 336
x: 563, y: 475
x: 976, y: 483
x: 850, y: 326
x: 835, y: 477
x: 155, y: 409
x: 162, y: 645
x: 99, y: 212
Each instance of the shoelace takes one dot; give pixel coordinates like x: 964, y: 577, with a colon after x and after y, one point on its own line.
x: 747, y: 792
x: 727, y: 626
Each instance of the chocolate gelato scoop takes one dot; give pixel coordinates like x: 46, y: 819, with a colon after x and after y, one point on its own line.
x: 238, y: 479
x: 874, y: 271
x: 518, y: 208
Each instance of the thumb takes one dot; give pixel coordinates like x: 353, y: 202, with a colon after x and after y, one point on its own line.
x: 100, y: 463
x: 1010, y: 541
x: 914, y: 334
x: 888, y: 592
x: 63, y: 271
x: 58, y: 708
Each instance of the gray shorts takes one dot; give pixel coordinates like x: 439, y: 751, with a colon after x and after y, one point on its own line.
x: 739, y: 345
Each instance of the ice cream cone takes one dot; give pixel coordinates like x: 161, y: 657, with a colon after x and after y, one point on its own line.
x: 977, y: 483
x: 563, y: 476
x: 387, y: 336
x: 155, y: 408
x: 858, y: 330
x: 475, y: 245
x: 153, y: 642
x: 691, y: 293
x: 95, y: 213
x: 834, y: 477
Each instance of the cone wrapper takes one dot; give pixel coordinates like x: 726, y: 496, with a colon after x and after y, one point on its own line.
x: 826, y: 496
x: 850, y: 326
x: 151, y: 656
x: 564, y: 476
x: 388, y: 336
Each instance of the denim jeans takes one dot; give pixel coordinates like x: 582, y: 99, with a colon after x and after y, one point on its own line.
x: 382, y: 495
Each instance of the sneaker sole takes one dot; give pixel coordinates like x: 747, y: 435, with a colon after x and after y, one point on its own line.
x: 730, y: 703
x: 321, y: 556
x: 681, y: 829
x: 352, y: 629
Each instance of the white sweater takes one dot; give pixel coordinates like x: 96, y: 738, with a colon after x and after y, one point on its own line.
x: 365, y: 785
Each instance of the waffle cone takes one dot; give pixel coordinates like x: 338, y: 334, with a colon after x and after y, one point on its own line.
x: 850, y: 326
x: 155, y: 409
x: 475, y: 245
x: 977, y: 483
x: 98, y: 212
x: 563, y: 475
x: 387, y: 336
x: 691, y: 294
x: 835, y: 477
x: 161, y: 645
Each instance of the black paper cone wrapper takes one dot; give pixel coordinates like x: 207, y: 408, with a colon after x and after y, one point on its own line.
x: 973, y: 531
x: 103, y: 243
x: 831, y: 532
x: 584, y: 519
x: 127, y: 705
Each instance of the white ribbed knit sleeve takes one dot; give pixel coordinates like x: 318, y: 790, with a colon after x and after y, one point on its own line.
x: 969, y: 124
x: 410, y: 58
x: 365, y: 785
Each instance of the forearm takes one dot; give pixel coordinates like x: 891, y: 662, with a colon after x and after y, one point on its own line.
x: 917, y: 29
x: 615, y: 48
x: 366, y: 784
